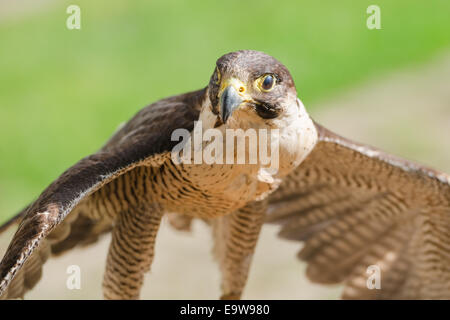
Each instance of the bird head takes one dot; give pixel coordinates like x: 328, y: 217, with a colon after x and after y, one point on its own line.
x: 251, y: 89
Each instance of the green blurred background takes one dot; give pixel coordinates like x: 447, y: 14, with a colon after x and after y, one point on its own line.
x: 63, y: 92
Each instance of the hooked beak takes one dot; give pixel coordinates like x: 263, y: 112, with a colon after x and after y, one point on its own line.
x: 228, y: 102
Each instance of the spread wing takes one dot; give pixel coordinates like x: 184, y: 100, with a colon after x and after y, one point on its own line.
x: 145, y: 140
x: 362, y: 213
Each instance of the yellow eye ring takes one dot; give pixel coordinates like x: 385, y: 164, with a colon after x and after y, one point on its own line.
x: 266, y: 82
x: 219, y: 76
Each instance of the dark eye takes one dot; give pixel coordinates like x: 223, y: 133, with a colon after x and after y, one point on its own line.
x: 266, y: 82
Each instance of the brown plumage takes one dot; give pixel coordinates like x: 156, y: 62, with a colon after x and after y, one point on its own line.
x: 352, y: 205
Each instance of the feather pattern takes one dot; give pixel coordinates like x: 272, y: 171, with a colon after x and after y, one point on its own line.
x: 144, y: 141
x: 354, y: 206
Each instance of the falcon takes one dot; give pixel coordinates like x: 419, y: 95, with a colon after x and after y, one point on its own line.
x: 352, y: 206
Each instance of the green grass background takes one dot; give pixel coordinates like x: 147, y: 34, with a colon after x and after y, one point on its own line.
x: 62, y: 93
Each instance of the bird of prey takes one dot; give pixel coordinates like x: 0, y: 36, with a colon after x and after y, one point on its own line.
x: 352, y: 206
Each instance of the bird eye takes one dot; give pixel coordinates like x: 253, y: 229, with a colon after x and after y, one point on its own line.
x: 266, y: 82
